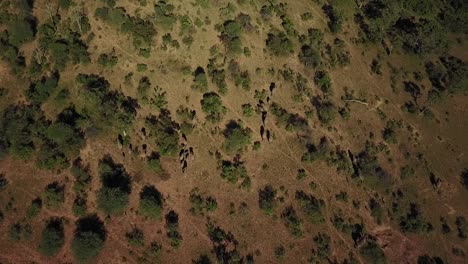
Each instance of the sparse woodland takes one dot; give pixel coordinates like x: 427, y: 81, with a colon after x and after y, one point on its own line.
x: 247, y: 131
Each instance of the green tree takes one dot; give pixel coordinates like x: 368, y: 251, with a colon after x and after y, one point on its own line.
x: 53, y: 237
x: 236, y: 137
x: 113, y: 197
x: 89, y: 238
x: 213, y: 107
x: 151, y: 202
x: 279, y: 44
x: 372, y: 253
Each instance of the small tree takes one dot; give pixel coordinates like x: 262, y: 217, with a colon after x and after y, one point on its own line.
x: 372, y: 253
x: 213, y: 107
x: 55, y: 195
x: 151, y: 202
x: 53, y: 237
x: 89, y: 239
x: 267, y: 199
x: 236, y: 137
x: 113, y: 197
x: 200, y: 81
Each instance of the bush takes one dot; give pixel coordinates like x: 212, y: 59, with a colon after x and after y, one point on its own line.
x: 89, y: 238
x: 322, y: 254
x: 53, y: 237
x: 309, y: 56
x: 247, y: 110
x: 230, y: 35
x: 326, y: 111
x: 414, y: 222
x: 213, y: 107
x: 464, y: 179
x: 279, y: 44
x: 165, y: 132
x: 108, y: 60
x: 462, y: 227
x: 267, y: 199
x: 200, y: 82
x: 18, y: 231
x: 323, y: 81
x: 233, y: 171
x: 421, y: 37
x: 34, y: 208
x: 236, y: 137
x: 372, y: 253
x: 40, y: 91
x: 172, y: 226
x: 20, y: 31
x: 135, y: 237
x: 311, y: 206
x: 54, y: 195
x: 151, y: 202
x: 292, y: 222
x: 200, y: 204
x: 113, y: 197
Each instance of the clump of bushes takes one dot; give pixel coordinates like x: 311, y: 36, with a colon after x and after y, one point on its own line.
x: 279, y: 44
x: 172, y: 226
x: 292, y: 222
x: 200, y: 204
x: 89, y: 238
x: 267, y: 199
x: 53, y: 237
x: 213, y: 107
x: 236, y: 137
x: 54, y: 195
x: 311, y: 206
x: 113, y: 197
x: 233, y: 171
x: 151, y: 202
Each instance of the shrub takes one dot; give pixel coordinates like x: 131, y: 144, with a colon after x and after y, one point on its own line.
x: 54, y: 195
x: 462, y: 227
x: 18, y: 231
x: 292, y: 222
x: 322, y: 253
x: 311, y: 206
x: 165, y: 132
x: 323, y: 81
x: 200, y: 82
x: 279, y: 44
x: 79, y: 207
x: 233, y: 171
x: 89, y: 238
x: 267, y: 199
x: 172, y: 226
x: 200, y: 204
x: 20, y: 31
x: 326, y: 111
x: 309, y: 56
x: 151, y: 202
x: 247, y: 110
x: 135, y: 237
x: 230, y: 35
x: 108, y: 60
x: 53, y: 237
x: 213, y: 107
x: 113, y: 197
x: 236, y: 137
x: 372, y: 253
x: 464, y: 179
x: 414, y: 222
x: 376, y: 210
x: 34, y: 208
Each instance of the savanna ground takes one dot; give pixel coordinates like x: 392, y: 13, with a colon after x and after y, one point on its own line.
x: 361, y: 124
